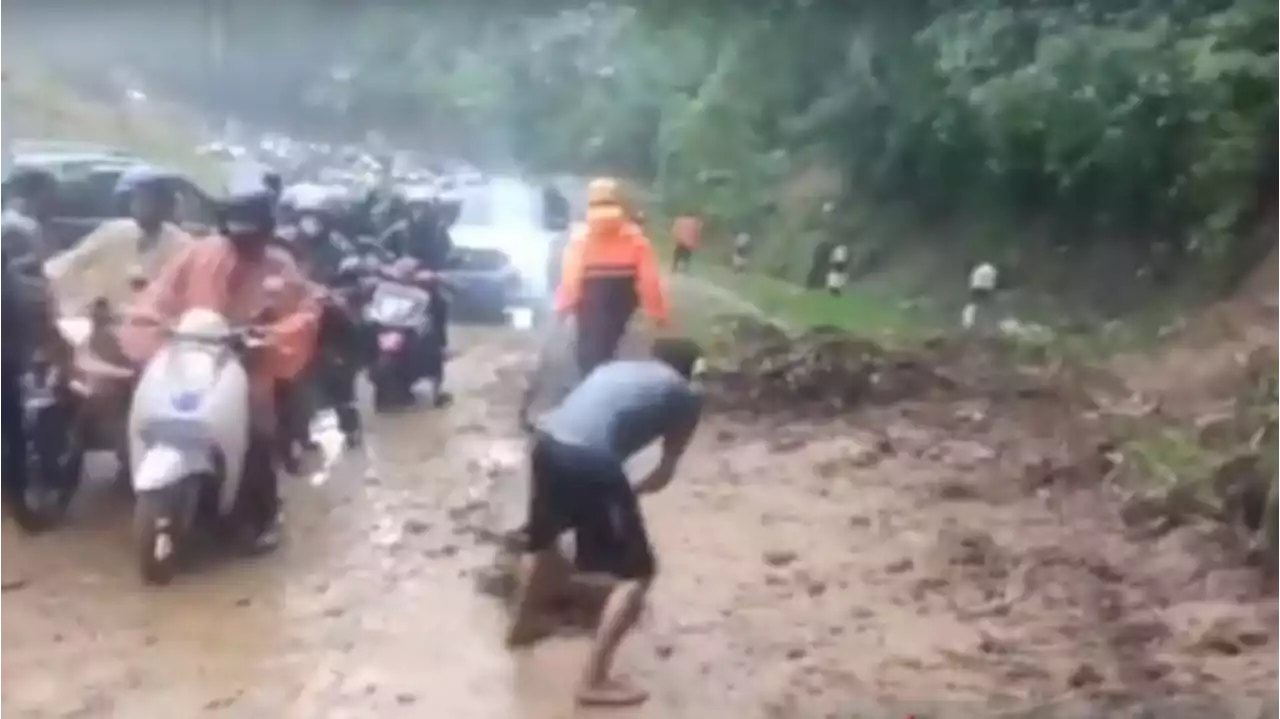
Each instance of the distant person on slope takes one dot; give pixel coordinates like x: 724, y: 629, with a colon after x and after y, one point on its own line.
x: 580, y: 484
x: 687, y: 232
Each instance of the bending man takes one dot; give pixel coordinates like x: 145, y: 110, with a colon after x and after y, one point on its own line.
x: 580, y: 484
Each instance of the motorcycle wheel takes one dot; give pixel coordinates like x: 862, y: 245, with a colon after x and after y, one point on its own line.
x: 55, y: 467
x: 157, y: 522
x: 388, y: 393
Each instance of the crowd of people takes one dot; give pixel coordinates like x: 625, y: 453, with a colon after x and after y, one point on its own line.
x: 279, y: 263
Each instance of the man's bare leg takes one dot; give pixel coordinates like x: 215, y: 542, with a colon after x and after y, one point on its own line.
x: 540, y: 576
x: 621, y: 611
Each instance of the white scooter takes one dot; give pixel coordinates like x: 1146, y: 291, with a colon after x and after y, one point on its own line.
x: 188, y: 435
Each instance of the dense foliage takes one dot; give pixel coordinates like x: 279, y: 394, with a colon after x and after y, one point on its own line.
x: 1112, y: 118
x: 1142, y: 119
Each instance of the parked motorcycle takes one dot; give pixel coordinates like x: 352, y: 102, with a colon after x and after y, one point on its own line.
x: 188, y: 437
x: 55, y: 449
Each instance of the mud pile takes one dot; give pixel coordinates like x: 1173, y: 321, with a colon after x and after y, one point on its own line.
x: 1214, y: 354
x: 760, y: 369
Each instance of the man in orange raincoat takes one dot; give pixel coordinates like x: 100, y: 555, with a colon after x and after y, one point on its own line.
x: 239, y: 274
x: 609, y: 271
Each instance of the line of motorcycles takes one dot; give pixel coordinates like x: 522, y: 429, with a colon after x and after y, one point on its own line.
x: 189, y: 416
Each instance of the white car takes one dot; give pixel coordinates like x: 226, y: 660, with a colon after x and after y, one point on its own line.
x: 503, y: 249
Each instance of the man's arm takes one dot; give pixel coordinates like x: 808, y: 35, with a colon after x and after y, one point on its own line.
x: 66, y: 269
x: 292, y: 339
x: 140, y: 335
x: 569, y: 292
x: 674, y: 443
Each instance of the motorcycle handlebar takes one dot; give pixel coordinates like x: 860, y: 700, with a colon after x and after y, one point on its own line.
x: 249, y: 337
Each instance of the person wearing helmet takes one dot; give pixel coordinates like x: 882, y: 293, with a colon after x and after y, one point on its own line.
x: 230, y: 272
x: 30, y: 194
x: 147, y: 239
x: 99, y: 273
x: 29, y: 329
x: 29, y: 321
x: 274, y: 183
x: 608, y: 271
x: 319, y: 243
x: 329, y: 254
x: 449, y: 208
x: 555, y: 209
x: 414, y: 233
x: 423, y: 235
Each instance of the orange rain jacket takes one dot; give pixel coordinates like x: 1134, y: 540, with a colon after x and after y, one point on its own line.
x: 687, y: 232
x: 210, y: 274
x: 609, y: 269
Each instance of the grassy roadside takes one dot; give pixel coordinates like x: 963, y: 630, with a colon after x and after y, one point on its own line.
x: 1175, y: 469
x: 37, y: 106
x: 856, y: 311
x: 870, y: 309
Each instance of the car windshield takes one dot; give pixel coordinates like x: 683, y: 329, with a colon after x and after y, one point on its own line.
x: 501, y: 205
x: 476, y: 210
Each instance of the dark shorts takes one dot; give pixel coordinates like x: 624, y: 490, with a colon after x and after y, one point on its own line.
x: 575, y: 489
x: 597, y: 344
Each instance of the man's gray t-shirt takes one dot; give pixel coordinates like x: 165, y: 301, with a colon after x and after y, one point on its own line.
x: 622, y: 406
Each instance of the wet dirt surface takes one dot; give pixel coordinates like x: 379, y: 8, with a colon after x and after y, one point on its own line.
x: 903, y: 559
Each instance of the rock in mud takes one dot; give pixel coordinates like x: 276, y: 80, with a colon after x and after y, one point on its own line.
x: 1228, y: 635
x: 779, y: 557
x: 900, y: 566
x: 496, y: 583
x: 956, y: 490
x: 13, y: 585
x: 578, y: 603
x: 416, y: 526
x: 1084, y: 675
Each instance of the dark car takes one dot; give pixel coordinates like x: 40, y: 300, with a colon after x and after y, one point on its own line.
x: 87, y: 192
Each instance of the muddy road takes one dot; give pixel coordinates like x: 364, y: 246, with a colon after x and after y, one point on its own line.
x: 885, y: 563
